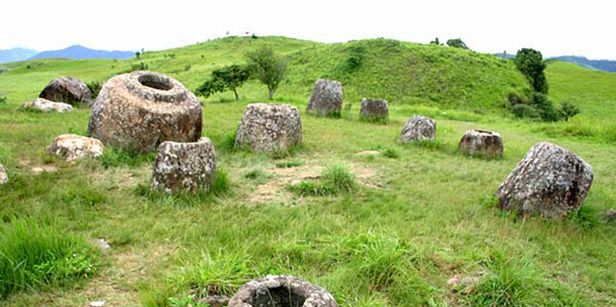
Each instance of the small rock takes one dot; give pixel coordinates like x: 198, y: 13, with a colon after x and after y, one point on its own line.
x: 72, y: 147
x: 97, y: 304
x: 67, y: 89
x: 281, y: 290
x: 550, y: 181
x: 45, y: 105
x: 326, y: 98
x: 184, y: 166
x: 37, y: 170
x: 418, y: 128
x: 4, y: 177
x: 102, y: 244
x: 481, y: 143
x: 269, y: 128
x: 215, y: 301
x: 140, y: 110
x: 610, y: 215
x: 374, y: 110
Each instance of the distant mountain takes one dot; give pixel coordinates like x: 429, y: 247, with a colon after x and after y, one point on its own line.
x: 605, y: 65
x: 16, y: 55
x: 78, y: 52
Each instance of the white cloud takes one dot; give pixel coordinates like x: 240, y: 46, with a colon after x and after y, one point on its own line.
x: 555, y: 28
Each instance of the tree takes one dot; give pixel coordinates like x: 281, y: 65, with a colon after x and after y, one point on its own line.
x: 456, y: 43
x: 226, y: 78
x: 530, y: 63
x: 267, y: 67
x: 435, y: 42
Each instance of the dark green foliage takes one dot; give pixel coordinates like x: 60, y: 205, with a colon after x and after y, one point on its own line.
x: 568, y: 110
x: 456, y: 43
x: 544, y: 107
x: 435, y: 42
x: 391, y: 153
x: 354, y: 59
x: 138, y: 55
x: 226, y: 78
x: 3, y: 98
x: 524, y: 111
x: 530, y: 63
x: 267, y: 67
x: 95, y: 88
x: 35, y: 256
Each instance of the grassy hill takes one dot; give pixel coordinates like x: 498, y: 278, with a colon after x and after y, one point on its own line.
x: 419, y: 215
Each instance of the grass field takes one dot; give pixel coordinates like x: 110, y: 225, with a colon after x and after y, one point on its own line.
x: 417, y: 216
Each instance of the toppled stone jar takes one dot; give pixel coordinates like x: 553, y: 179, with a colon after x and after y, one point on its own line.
x: 73, y: 147
x: 68, y: 89
x: 374, y: 110
x: 281, y: 291
x: 140, y: 110
x: 550, y: 181
x: 418, y: 128
x: 326, y: 98
x: 481, y: 143
x: 269, y: 128
x: 44, y: 105
x: 184, y: 167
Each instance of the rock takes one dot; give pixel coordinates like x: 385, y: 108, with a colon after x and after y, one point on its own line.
x: 97, y: 304
x: 550, y: 181
x: 4, y: 177
x: 610, y: 215
x: 37, y: 170
x: 72, y: 147
x: 140, y: 110
x: 418, y: 128
x: 215, y: 301
x: 374, y: 110
x: 45, y: 105
x: 481, y: 143
x: 281, y: 290
x: 68, y: 89
x: 326, y: 98
x: 269, y: 128
x: 184, y: 167
x: 102, y: 244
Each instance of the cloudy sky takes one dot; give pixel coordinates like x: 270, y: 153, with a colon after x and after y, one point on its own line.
x: 554, y: 27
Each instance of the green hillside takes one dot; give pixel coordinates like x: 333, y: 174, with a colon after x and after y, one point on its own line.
x: 419, y: 215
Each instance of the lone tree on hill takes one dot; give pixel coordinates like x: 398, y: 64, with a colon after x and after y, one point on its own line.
x: 267, y: 67
x: 530, y: 63
x: 456, y: 43
x: 226, y: 78
x: 435, y: 42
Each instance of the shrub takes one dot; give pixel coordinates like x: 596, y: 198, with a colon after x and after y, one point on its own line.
x: 3, y: 98
x: 524, y: 111
x: 95, y: 88
x: 35, y: 256
x: 456, y: 43
x: 391, y: 153
x: 568, y: 110
x: 544, y: 107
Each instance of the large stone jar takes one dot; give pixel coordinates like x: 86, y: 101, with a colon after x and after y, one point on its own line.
x: 269, y: 128
x: 140, y: 110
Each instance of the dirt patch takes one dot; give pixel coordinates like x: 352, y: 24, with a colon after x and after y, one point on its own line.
x: 48, y: 168
x: 367, y: 153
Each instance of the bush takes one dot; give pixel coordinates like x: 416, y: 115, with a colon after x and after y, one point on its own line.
x: 35, y: 256
x: 524, y: 111
x: 456, y: 43
x: 568, y: 110
x: 95, y: 88
x: 544, y: 107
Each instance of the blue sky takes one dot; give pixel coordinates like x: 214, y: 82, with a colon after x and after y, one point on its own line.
x: 555, y: 28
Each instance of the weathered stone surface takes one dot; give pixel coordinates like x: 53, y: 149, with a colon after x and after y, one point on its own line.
x: 418, y: 128
x: 45, y: 105
x: 140, y: 110
x: 68, y: 89
x: 280, y: 290
x: 326, y: 98
x: 269, y: 128
x: 481, y: 143
x: 72, y: 147
x: 374, y: 110
x: 550, y: 181
x: 609, y: 216
x: 215, y: 301
x: 184, y: 167
x: 4, y: 177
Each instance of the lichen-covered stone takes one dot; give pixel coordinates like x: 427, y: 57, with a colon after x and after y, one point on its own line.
x: 72, y: 147
x: 68, y: 89
x: 418, y: 128
x: 42, y: 104
x: 550, y: 181
x: 140, y: 110
x: 283, y: 291
x: 269, y: 128
x: 481, y: 143
x: 184, y: 167
x: 326, y: 98
x: 375, y: 110
x: 4, y: 177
